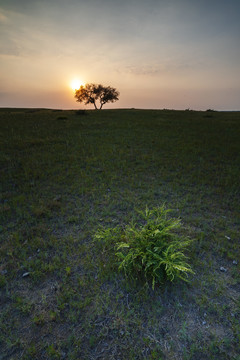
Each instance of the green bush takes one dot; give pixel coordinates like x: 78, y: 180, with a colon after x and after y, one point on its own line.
x: 152, y: 250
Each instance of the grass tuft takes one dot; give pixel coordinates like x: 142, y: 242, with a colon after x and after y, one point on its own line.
x: 152, y: 250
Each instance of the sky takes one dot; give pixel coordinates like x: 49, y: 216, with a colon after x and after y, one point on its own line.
x: 174, y: 54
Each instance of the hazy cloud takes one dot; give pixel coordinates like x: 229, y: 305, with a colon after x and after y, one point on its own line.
x: 3, y: 18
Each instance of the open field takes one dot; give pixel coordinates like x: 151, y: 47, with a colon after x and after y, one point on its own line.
x: 64, y: 174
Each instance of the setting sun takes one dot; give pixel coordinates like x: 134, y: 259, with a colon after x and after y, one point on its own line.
x: 76, y: 83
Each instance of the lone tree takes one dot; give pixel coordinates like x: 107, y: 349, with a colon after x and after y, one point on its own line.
x: 91, y: 93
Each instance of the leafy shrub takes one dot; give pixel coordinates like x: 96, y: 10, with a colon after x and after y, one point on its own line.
x: 152, y: 250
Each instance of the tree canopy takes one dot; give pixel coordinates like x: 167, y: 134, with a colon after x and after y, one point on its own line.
x: 94, y: 93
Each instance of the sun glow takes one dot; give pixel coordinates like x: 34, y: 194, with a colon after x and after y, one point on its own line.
x: 76, y: 83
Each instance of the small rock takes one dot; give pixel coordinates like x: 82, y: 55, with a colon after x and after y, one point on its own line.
x: 223, y: 269
x: 38, y: 250
x: 26, y: 274
x: 235, y: 262
x: 55, y: 287
x: 204, y: 322
x: 57, y: 198
x: 3, y: 272
x: 227, y: 237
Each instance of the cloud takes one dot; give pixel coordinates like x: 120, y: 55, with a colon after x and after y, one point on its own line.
x: 8, y: 50
x: 163, y: 67
x: 3, y: 18
x: 3, y: 95
x: 144, y: 70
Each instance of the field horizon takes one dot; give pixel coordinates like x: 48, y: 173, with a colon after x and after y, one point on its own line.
x: 112, y: 109
x: 67, y: 173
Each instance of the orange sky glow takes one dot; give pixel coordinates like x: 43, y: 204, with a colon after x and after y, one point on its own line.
x: 158, y: 54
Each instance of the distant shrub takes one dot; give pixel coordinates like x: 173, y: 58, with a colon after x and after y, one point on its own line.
x: 152, y: 251
x: 81, y: 112
x: 62, y: 118
x: 30, y: 111
x: 210, y: 110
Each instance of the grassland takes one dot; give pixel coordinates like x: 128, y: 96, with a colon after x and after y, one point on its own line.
x: 64, y: 174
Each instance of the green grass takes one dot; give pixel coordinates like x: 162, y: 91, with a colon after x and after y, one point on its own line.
x: 66, y: 174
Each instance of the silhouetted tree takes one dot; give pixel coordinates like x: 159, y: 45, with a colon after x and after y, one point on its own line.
x: 91, y: 93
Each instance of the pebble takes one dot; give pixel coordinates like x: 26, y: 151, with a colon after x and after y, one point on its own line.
x: 235, y: 262
x: 26, y: 274
x: 223, y: 269
x: 227, y: 237
x: 204, y: 322
x: 57, y: 198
